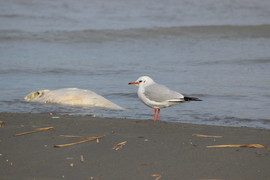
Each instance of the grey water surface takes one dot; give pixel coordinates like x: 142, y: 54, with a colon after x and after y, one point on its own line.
x: 218, y: 51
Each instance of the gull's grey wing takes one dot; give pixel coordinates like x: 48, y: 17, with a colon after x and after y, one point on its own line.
x: 160, y: 93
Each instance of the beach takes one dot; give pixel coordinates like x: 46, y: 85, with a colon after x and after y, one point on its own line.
x: 147, y: 150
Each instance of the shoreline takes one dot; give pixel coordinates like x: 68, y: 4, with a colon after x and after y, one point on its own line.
x: 152, y: 149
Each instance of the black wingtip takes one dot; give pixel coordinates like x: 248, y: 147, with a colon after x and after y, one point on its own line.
x: 191, y: 99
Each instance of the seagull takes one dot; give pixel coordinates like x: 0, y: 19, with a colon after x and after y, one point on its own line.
x: 158, y: 96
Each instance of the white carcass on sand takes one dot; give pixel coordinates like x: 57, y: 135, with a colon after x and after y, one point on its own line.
x: 72, y: 97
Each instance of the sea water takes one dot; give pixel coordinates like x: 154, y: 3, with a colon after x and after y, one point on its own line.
x: 218, y: 51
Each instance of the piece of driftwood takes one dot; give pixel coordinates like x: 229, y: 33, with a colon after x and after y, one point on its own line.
x: 38, y: 130
x: 87, y: 139
x: 202, y: 135
x: 119, y: 145
x: 156, y: 175
x: 2, y: 123
x: 241, y: 145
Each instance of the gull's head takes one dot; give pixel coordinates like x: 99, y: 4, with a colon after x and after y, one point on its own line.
x: 142, y: 81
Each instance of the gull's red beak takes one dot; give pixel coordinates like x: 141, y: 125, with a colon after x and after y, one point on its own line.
x: 132, y: 83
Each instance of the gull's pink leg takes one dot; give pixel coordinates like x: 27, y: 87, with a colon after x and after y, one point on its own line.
x: 158, y: 114
x: 155, y: 116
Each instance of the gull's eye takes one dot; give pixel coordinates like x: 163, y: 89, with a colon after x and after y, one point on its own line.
x: 140, y: 81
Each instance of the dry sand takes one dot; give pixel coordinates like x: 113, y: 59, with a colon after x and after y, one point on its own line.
x: 152, y: 148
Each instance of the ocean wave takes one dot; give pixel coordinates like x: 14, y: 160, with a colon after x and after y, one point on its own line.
x: 105, y: 35
x: 238, y: 122
x: 57, y: 71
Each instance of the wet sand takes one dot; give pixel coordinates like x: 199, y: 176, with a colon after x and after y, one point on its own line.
x: 152, y: 148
